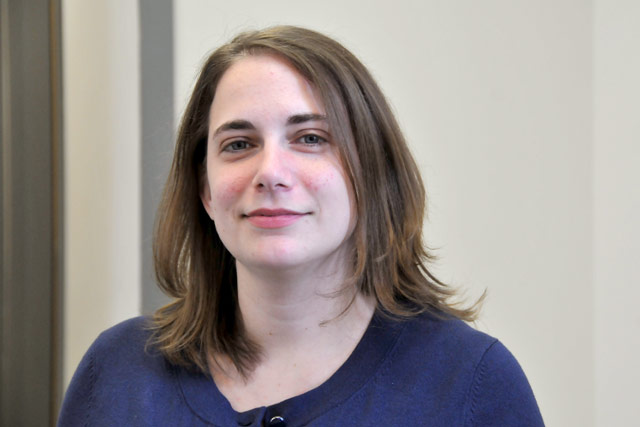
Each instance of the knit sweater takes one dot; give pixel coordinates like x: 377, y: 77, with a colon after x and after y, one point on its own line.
x: 423, y: 371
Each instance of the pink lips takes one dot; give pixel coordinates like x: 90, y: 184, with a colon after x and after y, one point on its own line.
x: 273, y: 218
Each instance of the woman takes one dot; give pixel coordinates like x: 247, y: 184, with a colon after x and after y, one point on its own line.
x: 290, y: 239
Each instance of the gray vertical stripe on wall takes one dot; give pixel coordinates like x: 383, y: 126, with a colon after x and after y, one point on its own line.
x: 156, y: 70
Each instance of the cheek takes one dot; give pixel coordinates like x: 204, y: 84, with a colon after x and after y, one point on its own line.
x: 321, y: 180
x: 323, y: 175
x: 330, y: 184
x: 225, y: 191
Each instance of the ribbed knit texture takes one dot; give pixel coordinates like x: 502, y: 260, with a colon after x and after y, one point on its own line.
x: 423, y: 371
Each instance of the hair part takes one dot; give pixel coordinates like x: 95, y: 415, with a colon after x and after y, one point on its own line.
x: 390, y: 260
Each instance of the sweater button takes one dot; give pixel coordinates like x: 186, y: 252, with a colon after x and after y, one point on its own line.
x: 277, y: 421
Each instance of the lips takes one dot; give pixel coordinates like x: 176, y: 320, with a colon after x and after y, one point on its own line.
x: 274, y: 218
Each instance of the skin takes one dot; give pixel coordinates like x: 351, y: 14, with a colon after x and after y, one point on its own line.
x: 282, y: 205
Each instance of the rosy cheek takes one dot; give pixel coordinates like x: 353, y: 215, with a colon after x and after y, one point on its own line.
x: 226, y: 191
x: 320, y: 179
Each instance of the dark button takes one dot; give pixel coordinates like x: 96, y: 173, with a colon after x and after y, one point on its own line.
x: 277, y: 421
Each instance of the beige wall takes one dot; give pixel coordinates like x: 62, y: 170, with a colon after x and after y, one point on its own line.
x: 616, y: 204
x: 102, y: 176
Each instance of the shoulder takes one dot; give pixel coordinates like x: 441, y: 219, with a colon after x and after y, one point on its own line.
x: 128, y: 336
x: 123, y: 347
x: 136, y: 326
x: 118, y: 369
x: 443, y: 340
x: 500, y: 391
x: 119, y: 347
x: 464, y: 373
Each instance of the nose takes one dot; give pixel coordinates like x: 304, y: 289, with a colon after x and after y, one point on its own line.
x: 273, y: 170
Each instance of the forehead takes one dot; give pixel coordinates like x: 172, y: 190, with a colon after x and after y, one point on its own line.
x: 263, y: 86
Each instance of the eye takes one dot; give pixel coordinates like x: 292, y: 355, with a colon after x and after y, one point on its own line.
x: 312, y: 139
x: 237, y: 145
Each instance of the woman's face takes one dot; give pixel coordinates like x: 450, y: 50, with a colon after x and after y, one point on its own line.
x: 275, y: 187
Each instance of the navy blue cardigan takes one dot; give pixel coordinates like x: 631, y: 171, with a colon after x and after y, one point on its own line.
x: 418, y: 372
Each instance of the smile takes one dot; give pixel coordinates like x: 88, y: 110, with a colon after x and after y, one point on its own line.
x: 273, y: 218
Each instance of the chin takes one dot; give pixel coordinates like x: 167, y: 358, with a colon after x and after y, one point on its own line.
x: 274, y: 263
x: 282, y: 253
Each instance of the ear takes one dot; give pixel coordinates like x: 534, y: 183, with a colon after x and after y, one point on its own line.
x: 205, y: 192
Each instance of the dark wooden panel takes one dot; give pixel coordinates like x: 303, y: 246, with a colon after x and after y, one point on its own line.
x: 31, y: 207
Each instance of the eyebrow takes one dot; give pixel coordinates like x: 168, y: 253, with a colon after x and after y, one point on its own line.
x: 235, y: 125
x: 302, y: 118
x: 296, y: 119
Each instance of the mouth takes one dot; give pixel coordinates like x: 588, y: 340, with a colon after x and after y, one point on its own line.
x: 273, y: 212
x: 273, y: 218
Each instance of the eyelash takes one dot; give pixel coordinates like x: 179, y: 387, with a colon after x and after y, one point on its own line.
x: 320, y: 140
x: 229, y: 147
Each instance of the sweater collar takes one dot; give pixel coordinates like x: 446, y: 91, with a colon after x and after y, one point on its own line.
x: 205, y: 400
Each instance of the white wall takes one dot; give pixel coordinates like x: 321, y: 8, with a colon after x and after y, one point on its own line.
x: 617, y: 210
x: 102, y: 170
x: 496, y: 100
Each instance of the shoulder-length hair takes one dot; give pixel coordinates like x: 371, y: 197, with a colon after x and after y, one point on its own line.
x: 389, y: 258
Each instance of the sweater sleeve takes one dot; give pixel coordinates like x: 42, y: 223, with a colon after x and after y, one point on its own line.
x: 77, y: 404
x: 500, y: 394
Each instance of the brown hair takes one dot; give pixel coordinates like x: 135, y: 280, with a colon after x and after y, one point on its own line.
x: 390, y: 259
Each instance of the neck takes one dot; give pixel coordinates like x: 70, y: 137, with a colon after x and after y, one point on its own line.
x: 285, y: 309
x: 306, y: 330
